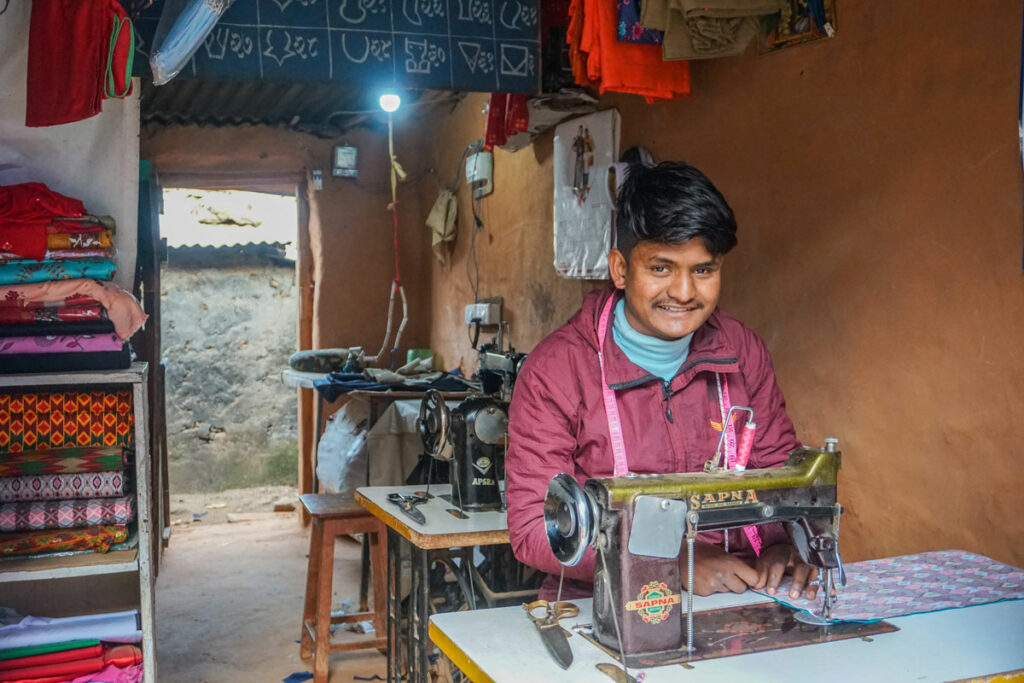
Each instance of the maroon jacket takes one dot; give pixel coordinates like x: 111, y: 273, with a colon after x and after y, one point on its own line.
x: 558, y: 424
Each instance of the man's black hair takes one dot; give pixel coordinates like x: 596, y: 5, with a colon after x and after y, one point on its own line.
x: 672, y: 203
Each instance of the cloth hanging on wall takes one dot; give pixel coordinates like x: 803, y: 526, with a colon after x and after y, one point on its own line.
x: 624, y: 67
x: 80, y: 52
x: 705, y: 29
x: 632, y: 29
x: 441, y: 221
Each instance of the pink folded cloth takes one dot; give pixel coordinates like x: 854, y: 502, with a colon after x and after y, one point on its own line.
x: 122, y: 308
x: 61, y: 344
x: 112, y: 674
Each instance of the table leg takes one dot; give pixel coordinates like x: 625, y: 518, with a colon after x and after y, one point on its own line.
x: 394, y: 606
x: 419, y: 636
x: 364, y: 575
x: 318, y: 416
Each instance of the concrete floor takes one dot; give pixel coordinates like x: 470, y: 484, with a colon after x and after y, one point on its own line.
x: 229, y: 603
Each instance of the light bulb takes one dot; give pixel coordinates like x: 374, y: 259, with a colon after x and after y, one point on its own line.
x: 390, y: 102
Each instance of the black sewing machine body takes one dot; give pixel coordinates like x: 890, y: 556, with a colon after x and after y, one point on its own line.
x: 638, y: 524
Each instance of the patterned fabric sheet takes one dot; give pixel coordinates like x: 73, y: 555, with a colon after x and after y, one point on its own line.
x: 915, y: 584
x: 61, y: 486
x: 62, y: 461
x: 630, y: 29
x: 95, y: 538
x: 15, y: 315
x: 66, y: 514
x: 61, y: 344
x: 38, y: 421
x: 21, y: 272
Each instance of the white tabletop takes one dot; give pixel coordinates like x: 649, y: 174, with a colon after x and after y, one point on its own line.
x: 442, y: 529
x: 503, y: 645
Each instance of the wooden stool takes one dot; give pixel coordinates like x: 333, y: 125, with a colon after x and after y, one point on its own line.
x: 332, y: 518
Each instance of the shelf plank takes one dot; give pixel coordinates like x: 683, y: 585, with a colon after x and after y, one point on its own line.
x: 42, y: 568
x: 133, y: 375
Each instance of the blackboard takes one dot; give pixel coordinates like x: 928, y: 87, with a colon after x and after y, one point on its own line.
x: 476, y: 45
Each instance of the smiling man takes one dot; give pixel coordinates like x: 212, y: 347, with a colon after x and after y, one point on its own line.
x: 669, y: 363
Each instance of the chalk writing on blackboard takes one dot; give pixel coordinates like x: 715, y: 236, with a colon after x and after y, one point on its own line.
x: 480, y: 45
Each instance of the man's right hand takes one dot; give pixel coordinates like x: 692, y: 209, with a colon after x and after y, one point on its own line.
x: 716, y: 571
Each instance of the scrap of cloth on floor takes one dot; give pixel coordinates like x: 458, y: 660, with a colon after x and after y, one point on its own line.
x: 96, y: 538
x: 915, y: 584
x: 298, y: 677
x: 17, y: 631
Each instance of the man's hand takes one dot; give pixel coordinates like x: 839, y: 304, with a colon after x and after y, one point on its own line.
x: 716, y: 571
x: 784, y: 559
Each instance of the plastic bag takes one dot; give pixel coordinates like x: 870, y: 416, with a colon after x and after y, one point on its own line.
x: 183, y: 26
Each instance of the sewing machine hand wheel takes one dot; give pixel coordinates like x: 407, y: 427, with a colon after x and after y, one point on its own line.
x: 434, y: 422
x: 570, y: 519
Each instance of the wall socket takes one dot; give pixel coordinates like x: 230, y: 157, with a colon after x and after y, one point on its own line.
x: 484, y: 312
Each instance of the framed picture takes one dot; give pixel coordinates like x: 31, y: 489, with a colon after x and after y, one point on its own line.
x: 800, y: 21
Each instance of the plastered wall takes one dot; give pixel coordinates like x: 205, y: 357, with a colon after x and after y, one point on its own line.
x: 876, y: 178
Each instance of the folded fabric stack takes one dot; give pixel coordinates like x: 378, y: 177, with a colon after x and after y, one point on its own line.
x: 81, y: 649
x: 63, y: 480
x: 56, y: 314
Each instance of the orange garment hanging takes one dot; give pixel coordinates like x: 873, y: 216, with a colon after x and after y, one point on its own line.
x: 623, y: 67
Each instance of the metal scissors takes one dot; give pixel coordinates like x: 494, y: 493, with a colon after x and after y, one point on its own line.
x: 408, y: 505
x: 550, y: 632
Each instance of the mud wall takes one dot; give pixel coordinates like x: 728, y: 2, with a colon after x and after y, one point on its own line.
x: 226, y: 334
x: 876, y: 179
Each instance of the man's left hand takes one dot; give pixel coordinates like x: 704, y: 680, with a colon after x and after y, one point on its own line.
x: 781, y: 559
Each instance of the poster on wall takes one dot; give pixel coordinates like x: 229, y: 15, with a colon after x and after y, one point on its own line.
x: 585, y: 148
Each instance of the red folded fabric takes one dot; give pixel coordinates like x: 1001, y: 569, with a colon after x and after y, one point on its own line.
x: 119, y: 656
x: 23, y: 241
x: 52, y: 657
x: 34, y: 204
x: 69, y: 43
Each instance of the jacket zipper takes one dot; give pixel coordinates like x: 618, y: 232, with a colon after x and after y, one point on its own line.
x: 667, y: 393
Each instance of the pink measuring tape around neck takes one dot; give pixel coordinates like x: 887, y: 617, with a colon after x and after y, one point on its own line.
x: 611, y: 409
x: 611, y: 406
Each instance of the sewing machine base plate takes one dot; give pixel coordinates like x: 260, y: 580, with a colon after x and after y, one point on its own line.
x: 743, y: 630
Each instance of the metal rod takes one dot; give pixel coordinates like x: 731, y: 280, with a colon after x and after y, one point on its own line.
x: 690, y: 536
x: 422, y: 638
x: 394, y: 613
x: 615, y: 616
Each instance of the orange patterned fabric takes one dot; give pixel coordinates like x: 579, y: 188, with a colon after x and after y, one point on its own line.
x: 98, y: 538
x: 620, y: 67
x: 61, y: 419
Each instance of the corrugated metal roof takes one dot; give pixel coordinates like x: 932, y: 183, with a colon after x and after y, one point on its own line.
x: 224, y: 256
x: 323, y: 109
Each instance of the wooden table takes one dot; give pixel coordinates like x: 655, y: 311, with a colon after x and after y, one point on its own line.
x: 503, y: 645
x: 441, y: 533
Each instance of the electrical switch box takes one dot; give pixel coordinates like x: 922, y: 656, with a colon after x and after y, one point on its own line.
x: 484, y: 313
x: 480, y: 174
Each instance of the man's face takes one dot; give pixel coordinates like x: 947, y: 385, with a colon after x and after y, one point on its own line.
x: 670, y: 290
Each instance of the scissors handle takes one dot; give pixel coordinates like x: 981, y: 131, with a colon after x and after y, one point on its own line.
x: 553, y: 611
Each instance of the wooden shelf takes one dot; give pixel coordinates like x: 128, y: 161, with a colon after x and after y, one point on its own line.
x: 41, y: 568
x: 132, y: 375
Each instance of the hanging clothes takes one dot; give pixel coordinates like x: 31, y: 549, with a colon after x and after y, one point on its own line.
x: 79, y: 52
x: 626, y: 67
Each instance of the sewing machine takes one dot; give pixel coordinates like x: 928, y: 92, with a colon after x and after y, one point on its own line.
x: 637, y: 525
x: 472, y: 435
